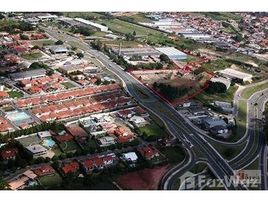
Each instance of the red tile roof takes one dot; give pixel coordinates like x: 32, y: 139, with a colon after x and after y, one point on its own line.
x: 70, y: 167
x: 44, y: 170
x: 9, y: 153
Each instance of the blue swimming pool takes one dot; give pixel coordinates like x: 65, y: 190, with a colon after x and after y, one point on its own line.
x: 49, y: 143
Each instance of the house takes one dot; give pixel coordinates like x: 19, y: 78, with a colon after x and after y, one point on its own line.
x: 44, y: 170
x: 71, y: 167
x: 44, y: 134
x: 130, y: 156
x: 9, y: 154
x: 37, y: 150
x: 106, y: 141
x: 138, y: 121
x: 76, y: 131
x: 63, y: 138
x: 3, y: 95
x: 148, y: 152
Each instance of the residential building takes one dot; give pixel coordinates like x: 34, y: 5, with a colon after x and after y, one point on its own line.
x: 37, y: 150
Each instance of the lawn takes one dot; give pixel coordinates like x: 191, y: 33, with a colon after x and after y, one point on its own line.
x: 216, y: 65
x: 251, y: 90
x: 138, y: 17
x: 15, y: 94
x: 42, y: 43
x: 68, y: 85
x: 208, y: 98
x: 32, y: 56
x: 152, y: 130
x: 50, y: 181
x: 69, y: 146
x: 82, y: 14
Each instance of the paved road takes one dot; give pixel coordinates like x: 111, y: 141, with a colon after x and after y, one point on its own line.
x: 177, y: 124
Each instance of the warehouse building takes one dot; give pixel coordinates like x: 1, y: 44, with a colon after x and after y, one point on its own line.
x: 37, y: 73
x: 92, y: 24
x: 236, y: 75
x: 58, y: 49
x: 142, y: 51
x: 172, y: 53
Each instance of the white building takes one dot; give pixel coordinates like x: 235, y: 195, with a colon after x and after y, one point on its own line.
x: 225, y: 81
x: 106, y: 141
x: 37, y: 150
x: 138, y: 121
x: 92, y: 24
x: 130, y: 156
x: 234, y: 74
x: 172, y: 53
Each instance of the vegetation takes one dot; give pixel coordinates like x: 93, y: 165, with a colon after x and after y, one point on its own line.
x: 15, y: 94
x: 59, y: 42
x: 169, y: 91
x: 32, y: 55
x: 174, y: 154
x: 151, y: 132
x: 216, y: 87
x: 251, y: 90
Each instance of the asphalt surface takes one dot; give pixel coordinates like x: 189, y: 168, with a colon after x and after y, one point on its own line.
x: 178, y: 126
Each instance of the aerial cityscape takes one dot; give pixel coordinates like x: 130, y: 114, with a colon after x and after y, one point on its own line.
x: 133, y: 100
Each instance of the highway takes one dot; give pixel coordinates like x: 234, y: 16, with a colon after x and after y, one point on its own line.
x: 177, y: 125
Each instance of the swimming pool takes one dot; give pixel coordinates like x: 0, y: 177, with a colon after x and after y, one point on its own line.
x: 17, y: 116
x: 49, y: 143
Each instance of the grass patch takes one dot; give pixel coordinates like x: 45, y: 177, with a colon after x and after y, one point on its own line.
x: 15, y: 94
x: 208, y: 98
x: 151, y: 131
x: 251, y: 90
x: 222, y: 16
x: 32, y: 56
x: 69, y: 146
x: 42, y: 43
x: 199, y: 167
x: 50, y: 181
x: 216, y: 65
x: 68, y: 85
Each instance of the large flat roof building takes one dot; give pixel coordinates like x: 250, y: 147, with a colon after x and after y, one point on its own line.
x: 36, y: 73
x: 172, y: 53
x: 92, y: 24
x: 234, y: 74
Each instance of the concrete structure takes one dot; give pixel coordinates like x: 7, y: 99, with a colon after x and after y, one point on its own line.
x: 210, y: 123
x: 224, y: 107
x: 37, y: 150
x: 67, y: 69
x: 172, y: 53
x: 142, y: 51
x: 235, y: 75
x: 92, y: 24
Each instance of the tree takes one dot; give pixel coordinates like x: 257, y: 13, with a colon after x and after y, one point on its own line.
x: 216, y: 87
x: 24, y: 37
x: 80, y: 55
x: 3, y: 184
x: 50, y: 72
x: 25, y: 26
x: 59, y: 42
x: 164, y: 58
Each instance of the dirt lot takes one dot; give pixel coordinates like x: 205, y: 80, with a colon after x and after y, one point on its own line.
x: 146, y: 179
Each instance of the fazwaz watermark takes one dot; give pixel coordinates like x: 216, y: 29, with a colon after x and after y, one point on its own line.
x: 247, y: 178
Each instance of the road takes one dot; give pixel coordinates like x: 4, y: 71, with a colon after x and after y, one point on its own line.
x: 175, y: 123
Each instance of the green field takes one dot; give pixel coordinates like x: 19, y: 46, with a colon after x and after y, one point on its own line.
x: 50, y: 181
x: 69, y: 146
x: 68, y: 85
x: 42, y: 43
x: 32, y: 56
x: 208, y: 98
x: 222, y: 15
x: 251, y: 90
x: 15, y: 94
x: 82, y: 14
x: 152, y: 130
